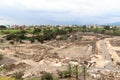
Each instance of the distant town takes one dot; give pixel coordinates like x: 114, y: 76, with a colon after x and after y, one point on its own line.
x: 50, y: 25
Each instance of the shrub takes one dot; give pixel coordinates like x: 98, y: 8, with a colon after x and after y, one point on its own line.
x: 2, y: 68
x: 67, y: 73
x: 40, y: 38
x: 40, y: 79
x: 35, y: 79
x: 46, y: 76
x: 64, y: 74
x: 18, y: 75
x: 55, y: 79
x: 70, y: 70
x: 76, y: 71
x: 32, y: 40
x: 1, y: 56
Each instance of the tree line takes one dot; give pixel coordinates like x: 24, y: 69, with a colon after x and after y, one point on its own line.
x: 42, y: 34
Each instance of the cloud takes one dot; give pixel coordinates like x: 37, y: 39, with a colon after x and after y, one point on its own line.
x: 7, y: 20
x: 58, y: 11
x: 86, y: 7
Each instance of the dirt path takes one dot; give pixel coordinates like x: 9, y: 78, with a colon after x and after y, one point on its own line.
x: 112, y: 51
x: 105, y: 55
x: 105, y: 51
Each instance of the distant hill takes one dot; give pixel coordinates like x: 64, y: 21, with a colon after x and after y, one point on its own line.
x: 115, y: 24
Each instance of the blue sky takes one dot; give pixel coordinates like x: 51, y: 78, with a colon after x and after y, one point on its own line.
x: 59, y: 11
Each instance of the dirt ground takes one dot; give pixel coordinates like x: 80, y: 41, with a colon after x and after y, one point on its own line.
x: 101, y: 54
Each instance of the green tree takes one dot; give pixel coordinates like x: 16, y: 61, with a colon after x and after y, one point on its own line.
x: 36, y: 31
x: 107, y: 27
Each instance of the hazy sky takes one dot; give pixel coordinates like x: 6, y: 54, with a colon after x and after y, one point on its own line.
x: 59, y: 11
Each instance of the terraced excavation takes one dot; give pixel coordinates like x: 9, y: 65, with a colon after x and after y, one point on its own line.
x: 100, y: 54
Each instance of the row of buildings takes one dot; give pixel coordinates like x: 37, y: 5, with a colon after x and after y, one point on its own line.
x: 32, y: 26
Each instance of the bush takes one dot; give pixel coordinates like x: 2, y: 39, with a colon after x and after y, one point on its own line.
x: 55, y: 79
x: 67, y: 73
x: 1, y: 56
x: 32, y: 40
x: 46, y: 76
x: 18, y: 75
x: 10, y: 37
x: 63, y: 37
x: 34, y: 79
x: 64, y: 74
x: 40, y: 38
x: 2, y: 68
x: 76, y: 71
x: 40, y: 79
x: 70, y: 70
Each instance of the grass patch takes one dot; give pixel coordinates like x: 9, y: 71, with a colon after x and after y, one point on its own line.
x: 6, y: 78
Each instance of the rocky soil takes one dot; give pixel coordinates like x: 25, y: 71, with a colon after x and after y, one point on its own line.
x: 100, y: 53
